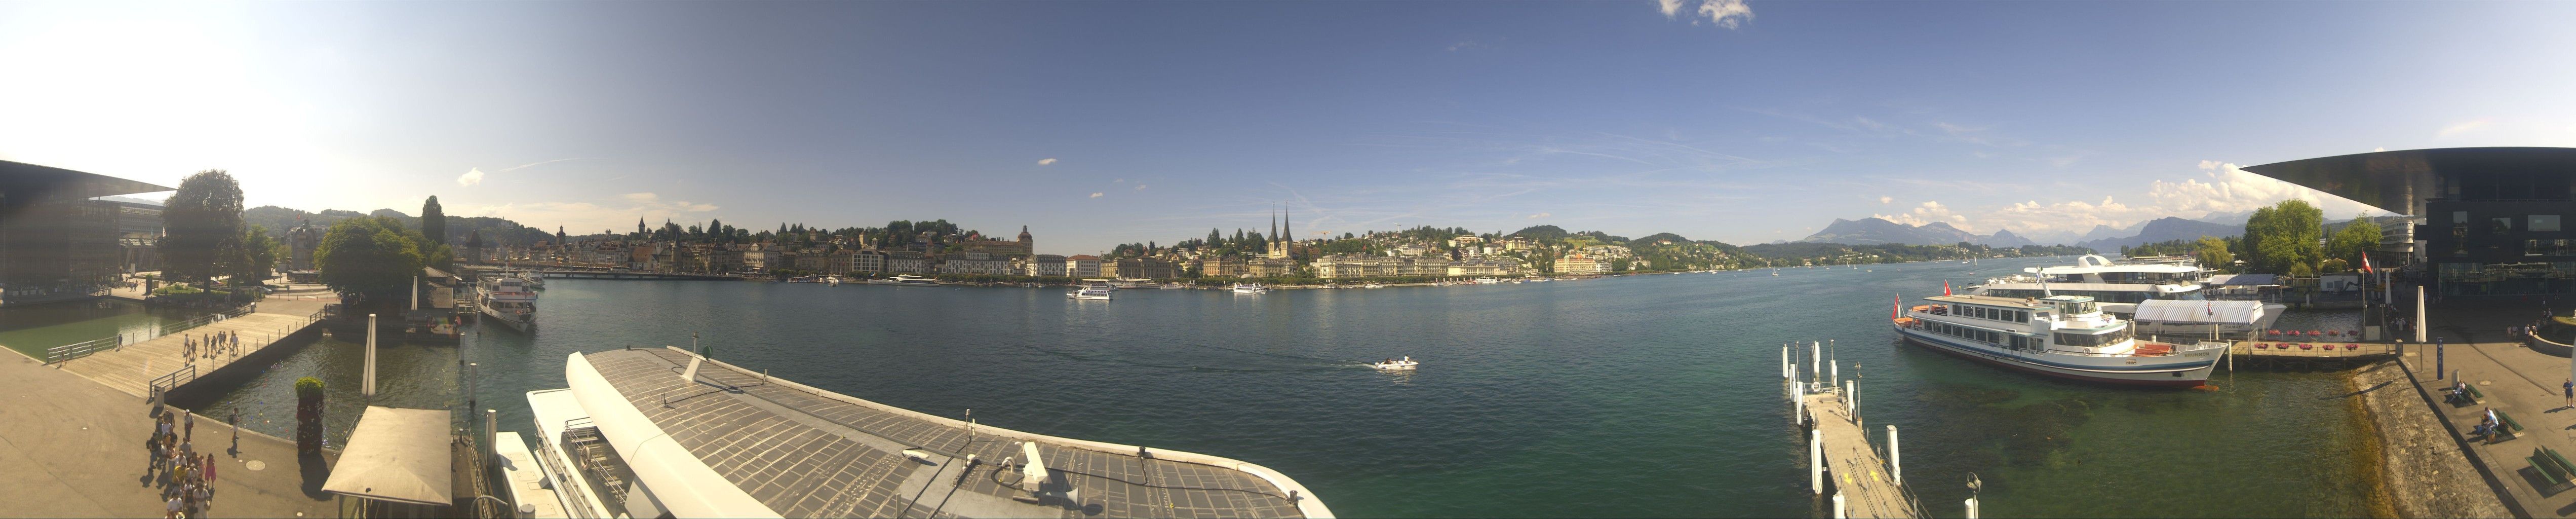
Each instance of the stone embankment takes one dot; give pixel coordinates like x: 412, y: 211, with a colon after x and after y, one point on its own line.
x: 2425, y: 472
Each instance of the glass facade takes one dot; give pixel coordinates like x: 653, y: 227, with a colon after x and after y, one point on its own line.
x: 2504, y: 279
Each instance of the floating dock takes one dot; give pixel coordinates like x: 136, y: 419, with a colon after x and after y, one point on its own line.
x: 161, y: 362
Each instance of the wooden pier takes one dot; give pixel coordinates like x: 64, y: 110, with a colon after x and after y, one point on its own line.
x: 2297, y: 355
x: 1841, y: 462
x: 162, y: 362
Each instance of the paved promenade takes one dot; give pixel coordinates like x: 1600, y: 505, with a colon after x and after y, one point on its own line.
x: 75, y: 448
x: 2517, y: 381
x: 132, y: 367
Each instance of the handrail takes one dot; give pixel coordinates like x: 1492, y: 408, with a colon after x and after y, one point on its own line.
x: 173, y: 379
x: 59, y: 354
x: 67, y: 352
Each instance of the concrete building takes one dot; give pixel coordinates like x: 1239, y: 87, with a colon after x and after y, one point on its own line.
x: 1045, y: 265
x: 304, y: 239
x: 963, y: 265
x: 760, y: 259
x: 868, y: 261
x: 907, y: 262
x: 1082, y: 266
x: 1143, y: 268
x: 56, y: 241
x: 1221, y: 266
x: 2494, y: 220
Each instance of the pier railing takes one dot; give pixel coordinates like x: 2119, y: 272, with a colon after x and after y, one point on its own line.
x: 185, y: 374
x: 67, y: 352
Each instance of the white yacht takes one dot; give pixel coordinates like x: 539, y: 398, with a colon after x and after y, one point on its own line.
x: 2060, y: 336
x: 2118, y: 287
x: 1172, y: 286
x: 906, y: 280
x: 509, y: 301
x: 832, y: 280
x: 1250, y: 288
x: 534, y: 280
x: 1488, y: 281
x: 1403, y: 364
x: 659, y: 433
x: 1095, y: 291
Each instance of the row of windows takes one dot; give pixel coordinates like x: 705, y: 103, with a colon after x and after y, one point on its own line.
x: 2089, y: 341
x: 2018, y: 342
x: 1996, y: 314
x: 2505, y: 224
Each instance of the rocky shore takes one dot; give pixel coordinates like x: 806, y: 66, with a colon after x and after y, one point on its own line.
x: 2422, y: 470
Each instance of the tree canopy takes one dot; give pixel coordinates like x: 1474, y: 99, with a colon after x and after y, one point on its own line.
x: 204, y: 227
x: 373, y: 258
x: 2353, y: 241
x: 2286, y: 238
x: 260, y: 252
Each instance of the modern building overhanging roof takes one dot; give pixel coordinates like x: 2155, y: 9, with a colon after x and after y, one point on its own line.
x: 19, y: 179
x: 2399, y: 181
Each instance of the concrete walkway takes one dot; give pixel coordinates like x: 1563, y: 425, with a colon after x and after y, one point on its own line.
x: 132, y: 367
x: 75, y: 448
x: 2516, y: 380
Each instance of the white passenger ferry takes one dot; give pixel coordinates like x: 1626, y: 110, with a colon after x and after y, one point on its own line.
x: 1250, y: 288
x: 510, y: 302
x: 906, y: 280
x: 2118, y: 287
x: 2060, y: 336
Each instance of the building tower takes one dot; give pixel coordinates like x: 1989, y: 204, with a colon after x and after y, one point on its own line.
x: 1027, y: 247
x: 639, y: 226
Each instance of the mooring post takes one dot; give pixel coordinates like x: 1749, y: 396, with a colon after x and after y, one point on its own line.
x: 1798, y: 410
x: 1784, y: 361
x: 1895, y: 460
x: 1839, y: 511
x: 1816, y: 461
x: 1972, y: 508
x: 1815, y: 358
x: 1851, y: 401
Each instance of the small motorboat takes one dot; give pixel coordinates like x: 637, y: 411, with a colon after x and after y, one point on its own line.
x: 1403, y: 364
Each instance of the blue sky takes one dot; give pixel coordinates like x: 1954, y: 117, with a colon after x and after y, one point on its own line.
x: 1096, y: 123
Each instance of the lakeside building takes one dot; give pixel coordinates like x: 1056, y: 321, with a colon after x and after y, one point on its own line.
x: 1045, y: 265
x: 1082, y: 266
x: 2493, y: 221
x: 57, y: 241
x: 139, y: 229
x: 1143, y: 268
x: 1222, y: 266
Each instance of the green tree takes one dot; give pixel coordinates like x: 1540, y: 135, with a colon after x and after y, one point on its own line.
x: 373, y: 258
x: 204, y: 227
x: 2353, y: 241
x: 2213, y: 254
x: 259, y: 256
x: 2286, y: 237
x: 433, y: 227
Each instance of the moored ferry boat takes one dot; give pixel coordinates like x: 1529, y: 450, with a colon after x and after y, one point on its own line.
x: 2060, y: 336
x: 2117, y: 287
x: 1250, y: 288
x: 906, y: 280
x: 509, y: 301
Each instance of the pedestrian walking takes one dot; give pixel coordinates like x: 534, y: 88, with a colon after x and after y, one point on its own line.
x: 190, y: 431
x: 2570, y: 386
x: 235, y: 420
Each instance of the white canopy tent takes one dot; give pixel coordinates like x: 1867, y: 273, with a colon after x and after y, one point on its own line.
x: 397, y: 455
x: 2200, y: 312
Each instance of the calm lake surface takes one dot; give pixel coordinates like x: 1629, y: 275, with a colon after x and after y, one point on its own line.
x: 1638, y: 396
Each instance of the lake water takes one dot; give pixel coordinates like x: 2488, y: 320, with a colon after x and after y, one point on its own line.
x: 1638, y: 396
x: 33, y: 329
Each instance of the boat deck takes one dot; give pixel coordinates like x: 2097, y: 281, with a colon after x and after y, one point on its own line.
x: 810, y: 453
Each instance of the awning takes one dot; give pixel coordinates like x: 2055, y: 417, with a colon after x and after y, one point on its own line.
x: 397, y: 455
x: 2199, y: 312
x: 2239, y: 280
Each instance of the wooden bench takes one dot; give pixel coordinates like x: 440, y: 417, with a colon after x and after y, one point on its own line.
x: 2506, y: 428
x: 2552, y: 467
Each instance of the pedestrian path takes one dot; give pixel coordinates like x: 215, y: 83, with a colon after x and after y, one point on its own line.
x: 75, y: 448
x: 136, y: 368
x: 2522, y: 385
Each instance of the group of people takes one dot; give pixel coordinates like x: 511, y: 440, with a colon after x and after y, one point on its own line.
x: 2488, y: 426
x: 211, y: 345
x: 186, y: 477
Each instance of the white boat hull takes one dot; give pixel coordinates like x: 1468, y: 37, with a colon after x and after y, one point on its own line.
x: 2180, y: 370
x: 522, y: 323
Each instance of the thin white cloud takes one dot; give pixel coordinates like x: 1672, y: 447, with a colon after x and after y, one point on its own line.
x: 641, y: 197
x: 1098, y: 195
x: 1140, y: 187
x: 1886, y: 200
x: 1729, y: 14
x: 471, y: 177
x: 1046, y: 161
x: 2463, y: 127
x: 1540, y: 215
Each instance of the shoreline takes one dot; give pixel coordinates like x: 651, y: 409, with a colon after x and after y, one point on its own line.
x: 2418, y: 470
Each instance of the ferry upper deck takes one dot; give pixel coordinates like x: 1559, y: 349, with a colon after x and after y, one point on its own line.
x: 735, y: 443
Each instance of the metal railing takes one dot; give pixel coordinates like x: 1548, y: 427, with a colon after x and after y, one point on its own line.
x: 67, y: 352
x: 58, y: 354
x: 176, y: 377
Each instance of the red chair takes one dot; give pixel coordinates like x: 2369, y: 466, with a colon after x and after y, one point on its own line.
x: 2349, y: 347
x: 2306, y: 346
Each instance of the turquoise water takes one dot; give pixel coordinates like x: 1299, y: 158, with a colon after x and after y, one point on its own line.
x: 1639, y: 396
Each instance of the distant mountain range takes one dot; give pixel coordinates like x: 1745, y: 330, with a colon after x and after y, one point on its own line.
x: 1873, y: 231
x: 1868, y: 231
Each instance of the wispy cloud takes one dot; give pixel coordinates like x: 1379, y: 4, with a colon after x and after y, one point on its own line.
x: 1886, y: 200
x: 2455, y: 130
x: 471, y: 177
x: 1140, y: 187
x: 1539, y: 215
x: 1050, y: 161
x: 1098, y: 195
x: 1722, y: 13
x: 539, y: 163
